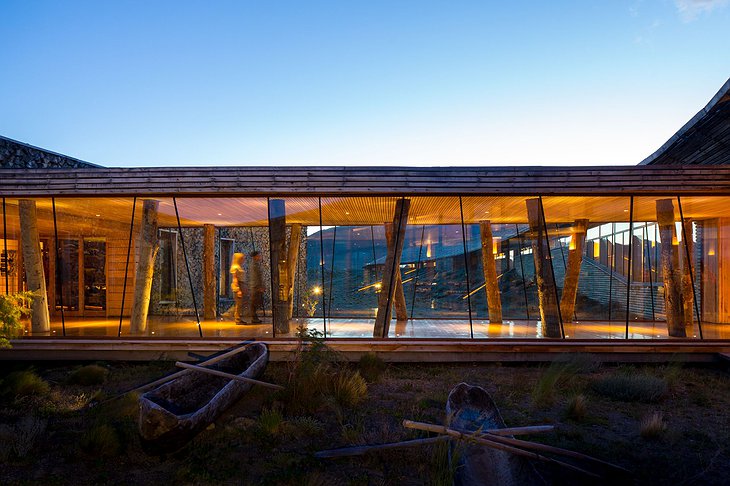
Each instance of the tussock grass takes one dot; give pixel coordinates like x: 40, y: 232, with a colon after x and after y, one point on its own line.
x: 631, y: 386
x: 102, y: 440
x: 371, y: 366
x: 271, y: 421
x: 652, y: 426
x: 577, y: 407
x: 24, y: 383
x: 19, y: 439
x: 543, y: 393
x: 349, y: 388
x: 88, y: 375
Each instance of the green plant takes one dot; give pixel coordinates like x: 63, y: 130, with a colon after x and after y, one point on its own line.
x: 13, y: 308
x: 371, y: 367
x: 631, y: 387
x: 348, y: 388
x: 88, y: 375
x: 304, y: 427
x: 652, y: 426
x: 24, y: 383
x: 19, y: 439
x: 271, y: 421
x: 576, y: 408
x: 100, y: 440
x: 543, y: 394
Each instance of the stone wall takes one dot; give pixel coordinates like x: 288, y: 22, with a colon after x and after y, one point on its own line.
x: 14, y: 154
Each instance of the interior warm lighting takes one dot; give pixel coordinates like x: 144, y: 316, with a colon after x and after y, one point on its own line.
x: 98, y: 215
x: 316, y: 290
x: 571, y: 245
x: 495, y: 245
x: 675, y: 241
x: 378, y: 286
x: 596, y: 248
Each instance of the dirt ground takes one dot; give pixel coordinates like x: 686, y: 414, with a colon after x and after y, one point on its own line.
x: 56, y: 438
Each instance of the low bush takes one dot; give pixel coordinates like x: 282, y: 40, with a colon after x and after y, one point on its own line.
x: 371, y: 366
x: 631, y: 387
x: 577, y: 407
x: 101, y: 440
x: 24, y: 383
x: 88, y: 375
x: 652, y: 426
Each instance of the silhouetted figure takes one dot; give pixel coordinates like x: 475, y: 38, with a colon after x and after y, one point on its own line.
x: 238, y: 285
x: 256, y: 286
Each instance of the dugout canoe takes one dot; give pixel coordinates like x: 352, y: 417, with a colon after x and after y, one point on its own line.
x: 470, y: 409
x: 175, y: 412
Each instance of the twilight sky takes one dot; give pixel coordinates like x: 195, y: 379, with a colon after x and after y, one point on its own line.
x: 167, y: 83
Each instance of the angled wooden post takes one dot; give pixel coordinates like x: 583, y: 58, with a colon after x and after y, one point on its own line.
x: 401, y: 310
x: 546, y: 289
x: 688, y: 298
x: 33, y: 260
x: 279, y: 266
x: 572, y: 272
x: 209, y: 272
x: 391, y: 269
x: 671, y: 272
x: 489, y: 267
x: 295, y: 239
x: 147, y: 245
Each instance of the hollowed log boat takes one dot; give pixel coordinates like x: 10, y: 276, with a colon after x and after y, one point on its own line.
x: 470, y: 409
x: 175, y: 412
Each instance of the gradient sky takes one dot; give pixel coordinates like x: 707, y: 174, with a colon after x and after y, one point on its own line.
x: 166, y: 83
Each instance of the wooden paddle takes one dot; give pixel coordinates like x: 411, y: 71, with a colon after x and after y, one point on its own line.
x: 243, y: 379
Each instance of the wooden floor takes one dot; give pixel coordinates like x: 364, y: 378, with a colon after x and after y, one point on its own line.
x: 176, y: 327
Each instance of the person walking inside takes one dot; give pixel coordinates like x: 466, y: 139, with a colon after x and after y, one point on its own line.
x: 238, y: 285
x: 256, y: 287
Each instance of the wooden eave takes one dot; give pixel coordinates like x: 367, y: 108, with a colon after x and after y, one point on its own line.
x: 365, y: 181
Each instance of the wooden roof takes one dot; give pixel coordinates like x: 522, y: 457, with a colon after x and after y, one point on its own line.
x: 364, y: 181
x: 704, y: 140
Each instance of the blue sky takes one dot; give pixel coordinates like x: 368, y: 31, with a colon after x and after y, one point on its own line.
x: 358, y: 83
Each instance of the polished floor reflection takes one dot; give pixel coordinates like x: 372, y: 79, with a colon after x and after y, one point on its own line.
x: 362, y: 328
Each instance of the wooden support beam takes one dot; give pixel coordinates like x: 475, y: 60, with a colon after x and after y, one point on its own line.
x: 489, y: 267
x: 209, y: 306
x: 576, y: 249
x: 279, y: 270
x: 148, y: 245
x: 391, y: 269
x: 669, y: 261
x: 33, y: 260
x: 546, y: 288
x: 688, y: 298
x: 295, y: 239
x: 401, y: 310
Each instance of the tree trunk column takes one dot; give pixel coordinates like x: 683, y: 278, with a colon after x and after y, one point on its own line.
x: 489, y: 267
x: 279, y: 270
x: 572, y: 272
x: 33, y: 260
x: 295, y: 239
x: 546, y: 288
x: 209, y: 272
x: 687, y: 293
x: 148, y: 245
x: 391, y: 269
x: 669, y: 259
x: 401, y: 310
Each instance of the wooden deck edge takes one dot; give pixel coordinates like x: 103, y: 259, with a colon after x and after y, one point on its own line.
x: 388, y: 350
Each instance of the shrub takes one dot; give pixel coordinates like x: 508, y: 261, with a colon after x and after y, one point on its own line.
x: 100, y: 440
x: 637, y: 387
x: 304, y: 427
x: 577, y: 407
x: 19, y: 439
x: 348, y: 388
x: 88, y: 375
x: 24, y: 383
x: 371, y: 367
x: 13, y: 307
x: 652, y: 426
x: 271, y: 421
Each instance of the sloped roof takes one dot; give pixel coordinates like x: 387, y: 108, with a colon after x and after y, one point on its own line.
x: 704, y: 140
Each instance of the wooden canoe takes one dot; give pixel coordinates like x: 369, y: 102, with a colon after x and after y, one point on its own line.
x: 470, y: 409
x: 173, y: 413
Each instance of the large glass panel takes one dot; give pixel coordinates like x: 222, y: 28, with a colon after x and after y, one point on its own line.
x: 226, y: 242
x: 501, y: 267
x: 589, y: 247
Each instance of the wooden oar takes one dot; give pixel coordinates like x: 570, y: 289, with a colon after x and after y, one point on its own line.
x: 360, y: 450
x: 243, y: 379
x: 494, y: 445
x: 530, y: 429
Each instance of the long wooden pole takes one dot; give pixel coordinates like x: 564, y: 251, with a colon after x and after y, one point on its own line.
x: 31, y: 246
x: 360, y: 450
x: 528, y: 430
x: 222, y: 374
x: 489, y: 269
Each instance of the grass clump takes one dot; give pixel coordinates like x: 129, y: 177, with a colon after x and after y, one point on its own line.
x: 24, y: 383
x: 349, y: 388
x: 629, y: 386
x: 88, y: 375
x: 543, y: 394
x: 19, y: 439
x: 577, y: 407
x: 271, y: 421
x: 371, y: 366
x: 101, y: 440
x: 652, y: 426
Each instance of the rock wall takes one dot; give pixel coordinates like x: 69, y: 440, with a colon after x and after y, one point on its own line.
x: 19, y: 155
